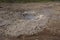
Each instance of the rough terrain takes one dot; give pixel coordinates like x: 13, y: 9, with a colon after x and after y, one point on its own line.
x: 30, y: 21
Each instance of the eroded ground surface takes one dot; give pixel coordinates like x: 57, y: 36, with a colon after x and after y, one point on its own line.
x: 30, y: 21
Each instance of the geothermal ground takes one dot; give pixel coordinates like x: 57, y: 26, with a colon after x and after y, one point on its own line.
x: 30, y: 21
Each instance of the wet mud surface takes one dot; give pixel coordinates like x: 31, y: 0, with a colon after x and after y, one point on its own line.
x: 30, y: 21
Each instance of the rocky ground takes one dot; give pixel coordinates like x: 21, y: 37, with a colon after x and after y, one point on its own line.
x: 30, y: 21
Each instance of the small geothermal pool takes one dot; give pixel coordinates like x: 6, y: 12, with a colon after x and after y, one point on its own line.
x: 32, y: 23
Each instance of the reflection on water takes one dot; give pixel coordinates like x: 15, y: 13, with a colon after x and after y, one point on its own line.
x: 29, y: 17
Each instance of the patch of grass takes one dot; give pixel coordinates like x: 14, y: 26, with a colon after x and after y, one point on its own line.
x: 25, y: 1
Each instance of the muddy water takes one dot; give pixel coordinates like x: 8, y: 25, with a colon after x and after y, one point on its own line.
x: 31, y: 23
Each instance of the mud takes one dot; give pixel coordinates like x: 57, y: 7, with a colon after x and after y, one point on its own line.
x: 30, y: 21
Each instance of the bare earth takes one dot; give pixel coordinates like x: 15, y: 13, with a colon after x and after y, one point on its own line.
x: 30, y: 21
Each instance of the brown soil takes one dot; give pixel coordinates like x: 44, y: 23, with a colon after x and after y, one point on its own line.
x: 52, y: 32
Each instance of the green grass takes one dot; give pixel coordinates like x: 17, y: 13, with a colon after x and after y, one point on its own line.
x: 25, y: 1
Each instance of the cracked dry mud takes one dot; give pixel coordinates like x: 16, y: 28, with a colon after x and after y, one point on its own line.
x: 30, y: 21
